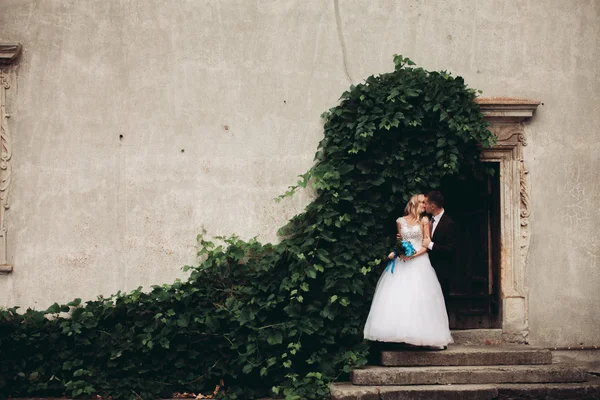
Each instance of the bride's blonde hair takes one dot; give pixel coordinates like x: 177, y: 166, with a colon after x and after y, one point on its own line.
x: 412, y: 207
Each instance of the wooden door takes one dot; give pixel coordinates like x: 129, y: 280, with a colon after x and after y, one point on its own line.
x: 473, y: 201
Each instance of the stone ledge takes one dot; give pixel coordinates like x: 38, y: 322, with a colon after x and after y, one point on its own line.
x: 507, y: 108
x: 6, y: 268
x: 506, y: 101
x: 9, y: 52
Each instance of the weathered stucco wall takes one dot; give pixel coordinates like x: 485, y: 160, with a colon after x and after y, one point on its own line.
x: 218, y: 105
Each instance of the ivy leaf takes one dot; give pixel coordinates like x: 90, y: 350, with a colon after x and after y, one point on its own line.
x: 322, y: 254
x: 275, y: 338
x: 74, y: 303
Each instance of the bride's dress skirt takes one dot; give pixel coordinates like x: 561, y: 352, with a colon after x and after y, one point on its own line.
x: 408, y: 306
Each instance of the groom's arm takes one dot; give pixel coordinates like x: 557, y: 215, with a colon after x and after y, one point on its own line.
x: 449, y: 245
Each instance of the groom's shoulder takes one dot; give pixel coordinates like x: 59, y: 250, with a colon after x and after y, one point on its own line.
x: 448, y: 219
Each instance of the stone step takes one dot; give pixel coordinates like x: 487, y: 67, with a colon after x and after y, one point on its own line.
x: 568, y: 391
x: 347, y: 391
x: 477, y: 336
x: 558, y: 373
x: 468, y: 355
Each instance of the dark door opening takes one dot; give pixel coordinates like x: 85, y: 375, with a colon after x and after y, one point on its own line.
x: 473, y: 201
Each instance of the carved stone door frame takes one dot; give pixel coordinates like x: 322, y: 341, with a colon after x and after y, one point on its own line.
x: 9, y: 53
x: 506, y: 117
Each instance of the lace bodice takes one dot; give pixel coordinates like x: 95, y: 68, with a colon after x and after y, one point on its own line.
x: 412, y: 234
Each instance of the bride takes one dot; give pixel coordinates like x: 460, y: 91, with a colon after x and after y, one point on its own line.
x: 408, y: 305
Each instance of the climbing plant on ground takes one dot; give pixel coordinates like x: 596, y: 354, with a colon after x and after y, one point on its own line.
x: 268, y: 319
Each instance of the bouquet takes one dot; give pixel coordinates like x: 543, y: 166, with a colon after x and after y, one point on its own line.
x: 403, y: 248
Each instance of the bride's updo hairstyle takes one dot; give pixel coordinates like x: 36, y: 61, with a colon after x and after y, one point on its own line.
x: 412, y: 207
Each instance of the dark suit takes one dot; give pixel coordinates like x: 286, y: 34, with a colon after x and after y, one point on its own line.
x: 443, y: 253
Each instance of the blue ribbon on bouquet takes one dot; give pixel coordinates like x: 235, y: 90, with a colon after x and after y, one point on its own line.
x: 391, y: 263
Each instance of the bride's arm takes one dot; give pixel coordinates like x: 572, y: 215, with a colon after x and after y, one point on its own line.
x: 422, y: 251
x: 425, y: 227
x: 398, y: 237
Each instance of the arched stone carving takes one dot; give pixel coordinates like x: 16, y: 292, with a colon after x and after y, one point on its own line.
x: 506, y: 117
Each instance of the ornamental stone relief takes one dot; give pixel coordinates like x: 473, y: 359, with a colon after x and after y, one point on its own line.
x: 8, y: 54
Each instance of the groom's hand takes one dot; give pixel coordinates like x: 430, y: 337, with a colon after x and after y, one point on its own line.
x: 426, y: 242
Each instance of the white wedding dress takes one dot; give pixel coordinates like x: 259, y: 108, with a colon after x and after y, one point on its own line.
x: 408, y: 305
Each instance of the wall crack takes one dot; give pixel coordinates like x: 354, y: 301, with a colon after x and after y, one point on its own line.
x: 338, y: 23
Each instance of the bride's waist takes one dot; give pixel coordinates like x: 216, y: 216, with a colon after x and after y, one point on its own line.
x: 416, y: 245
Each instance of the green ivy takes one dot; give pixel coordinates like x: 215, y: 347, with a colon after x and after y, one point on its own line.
x: 269, y: 319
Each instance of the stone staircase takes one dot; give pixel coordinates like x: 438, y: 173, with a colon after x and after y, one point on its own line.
x: 469, y: 372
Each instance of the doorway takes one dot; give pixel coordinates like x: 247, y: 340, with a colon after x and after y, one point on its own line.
x: 473, y: 201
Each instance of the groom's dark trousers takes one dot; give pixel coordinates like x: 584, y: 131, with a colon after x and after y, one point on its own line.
x: 443, y: 253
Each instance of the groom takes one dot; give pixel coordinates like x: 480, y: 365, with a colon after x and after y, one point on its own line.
x: 442, y: 245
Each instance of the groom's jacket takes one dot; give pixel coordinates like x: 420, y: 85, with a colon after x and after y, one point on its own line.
x: 443, y: 253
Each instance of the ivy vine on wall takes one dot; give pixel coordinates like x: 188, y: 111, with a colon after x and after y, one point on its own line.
x: 268, y: 319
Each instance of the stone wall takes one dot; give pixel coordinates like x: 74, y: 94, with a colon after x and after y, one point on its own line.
x: 135, y: 123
